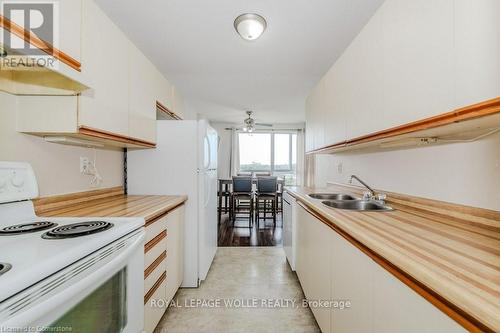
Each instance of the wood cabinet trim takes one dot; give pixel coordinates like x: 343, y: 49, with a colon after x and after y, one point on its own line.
x: 157, y: 239
x: 451, y: 310
x: 155, y: 286
x: 39, y: 43
x: 155, y: 264
x: 470, y: 112
x: 101, y: 134
x: 164, y: 109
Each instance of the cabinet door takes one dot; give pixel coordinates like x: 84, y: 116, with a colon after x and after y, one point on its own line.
x: 352, y: 280
x: 418, y: 59
x: 335, y: 105
x: 361, y: 71
x: 397, y: 308
x: 105, y: 59
x: 477, y: 51
x: 309, y: 141
x: 315, y: 117
x: 70, y: 27
x: 164, y: 91
x: 315, y: 265
x: 175, y: 251
x: 303, y: 250
x: 142, y: 96
x: 178, y: 102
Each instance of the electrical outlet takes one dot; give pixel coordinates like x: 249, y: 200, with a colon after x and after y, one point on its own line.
x: 340, y: 167
x: 84, y: 165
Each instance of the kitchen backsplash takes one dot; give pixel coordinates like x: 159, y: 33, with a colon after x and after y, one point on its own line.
x: 462, y: 173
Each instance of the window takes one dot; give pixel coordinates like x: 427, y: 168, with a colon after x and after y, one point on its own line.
x: 273, y: 152
x: 255, y: 151
x: 282, y: 152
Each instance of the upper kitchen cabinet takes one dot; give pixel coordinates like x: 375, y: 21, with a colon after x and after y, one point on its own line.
x: 409, y: 69
x: 26, y: 68
x: 417, y: 46
x: 477, y: 51
x: 335, y: 105
x: 178, y: 106
x: 314, y: 117
x: 70, y: 28
x: 105, y: 59
x: 119, y: 109
x: 362, y: 71
x: 145, y: 87
x: 164, y: 91
x: 309, y: 141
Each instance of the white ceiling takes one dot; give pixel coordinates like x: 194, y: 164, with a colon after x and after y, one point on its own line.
x: 194, y: 44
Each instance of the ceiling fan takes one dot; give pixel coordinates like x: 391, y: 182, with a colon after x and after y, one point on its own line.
x: 249, y: 123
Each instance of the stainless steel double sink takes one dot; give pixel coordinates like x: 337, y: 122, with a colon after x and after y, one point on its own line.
x: 349, y: 202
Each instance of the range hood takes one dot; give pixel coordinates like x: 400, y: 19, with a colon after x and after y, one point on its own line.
x: 50, y: 72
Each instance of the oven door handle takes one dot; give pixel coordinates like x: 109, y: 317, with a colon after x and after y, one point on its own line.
x: 74, y: 288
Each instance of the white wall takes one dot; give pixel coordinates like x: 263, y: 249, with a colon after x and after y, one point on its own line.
x: 462, y: 173
x: 56, y: 166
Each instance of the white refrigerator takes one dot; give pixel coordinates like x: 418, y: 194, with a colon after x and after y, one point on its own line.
x: 184, y: 162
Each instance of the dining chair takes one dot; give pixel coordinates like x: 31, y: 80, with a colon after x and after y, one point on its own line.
x: 242, y: 192
x: 263, y: 173
x: 245, y: 173
x: 266, y: 192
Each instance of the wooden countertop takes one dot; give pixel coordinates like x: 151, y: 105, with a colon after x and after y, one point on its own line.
x: 449, y: 254
x: 108, y: 203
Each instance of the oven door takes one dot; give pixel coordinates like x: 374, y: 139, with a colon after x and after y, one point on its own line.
x: 103, y: 292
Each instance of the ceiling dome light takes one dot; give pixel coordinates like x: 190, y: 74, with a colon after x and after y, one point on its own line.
x: 250, y: 26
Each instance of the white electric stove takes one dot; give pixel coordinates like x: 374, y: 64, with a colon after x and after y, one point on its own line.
x: 78, y: 274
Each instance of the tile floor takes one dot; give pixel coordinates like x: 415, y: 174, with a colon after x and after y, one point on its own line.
x: 251, y: 274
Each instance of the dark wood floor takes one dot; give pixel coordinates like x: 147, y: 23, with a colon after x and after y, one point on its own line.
x: 241, y: 235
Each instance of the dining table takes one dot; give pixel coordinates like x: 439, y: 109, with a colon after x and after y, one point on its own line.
x: 223, y: 190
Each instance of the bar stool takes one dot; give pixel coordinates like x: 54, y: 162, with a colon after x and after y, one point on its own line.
x: 242, y: 191
x: 266, y: 192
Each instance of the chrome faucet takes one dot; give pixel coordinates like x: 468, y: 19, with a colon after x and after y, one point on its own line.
x: 371, y: 194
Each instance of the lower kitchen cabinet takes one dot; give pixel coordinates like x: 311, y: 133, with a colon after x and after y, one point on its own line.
x: 175, y: 251
x: 163, y: 264
x: 397, y: 308
x: 313, y: 265
x: 351, y: 281
x: 331, y: 268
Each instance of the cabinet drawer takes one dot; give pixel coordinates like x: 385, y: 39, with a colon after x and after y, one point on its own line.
x: 155, y: 271
x: 152, y: 313
x: 154, y: 251
x: 155, y: 227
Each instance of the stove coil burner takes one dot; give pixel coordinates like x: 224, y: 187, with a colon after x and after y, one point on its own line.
x: 4, y: 267
x: 26, y: 228
x: 77, y: 229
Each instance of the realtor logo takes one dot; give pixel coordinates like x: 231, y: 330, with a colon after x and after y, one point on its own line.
x: 36, y: 18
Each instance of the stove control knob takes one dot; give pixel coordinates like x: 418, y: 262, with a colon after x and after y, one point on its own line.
x: 17, y: 181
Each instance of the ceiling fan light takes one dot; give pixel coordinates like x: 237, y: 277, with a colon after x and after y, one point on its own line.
x: 250, y: 26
